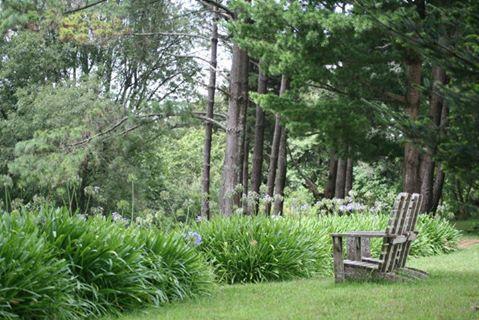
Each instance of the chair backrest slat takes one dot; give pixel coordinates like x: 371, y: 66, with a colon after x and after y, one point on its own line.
x: 406, y: 246
x: 402, y: 221
x: 396, y: 250
x: 396, y: 220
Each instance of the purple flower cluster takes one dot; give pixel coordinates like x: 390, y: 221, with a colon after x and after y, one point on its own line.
x: 116, y: 217
x: 194, y: 237
x: 351, y: 207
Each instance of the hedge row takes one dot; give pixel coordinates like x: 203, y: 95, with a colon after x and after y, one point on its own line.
x: 244, y: 249
x: 57, y: 266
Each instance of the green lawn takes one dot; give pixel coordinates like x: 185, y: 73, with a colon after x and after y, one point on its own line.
x: 451, y: 292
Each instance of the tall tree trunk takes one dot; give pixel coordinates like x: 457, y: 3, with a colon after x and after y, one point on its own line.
x: 329, y: 190
x: 411, y: 152
x: 340, y: 179
x: 243, y: 122
x: 437, y: 188
x: 349, y: 176
x: 440, y: 174
x: 245, y: 177
x: 280, y: 174
x: 230, y: 166
x: 205, y: 205
x: 273, y: 161
x: 258, y: 144
x: 428, y: 164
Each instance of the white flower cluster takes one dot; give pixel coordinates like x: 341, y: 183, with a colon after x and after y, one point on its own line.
x: 348, y: 205
x: 115, y: 216
x: 351, y: 207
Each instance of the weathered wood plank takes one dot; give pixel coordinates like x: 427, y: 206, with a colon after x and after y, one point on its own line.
x: 365, y: 248
x: 361, y: 264
x: 338, y: 259
x: 395, y: 248
x: 369, y: 234
x: 372, y: 260
x: 401, y: 263
x: 400, y: 205
x: 404, y: 248
x: 354, y: 248
x: 396, y: 245
x: 399, y: 240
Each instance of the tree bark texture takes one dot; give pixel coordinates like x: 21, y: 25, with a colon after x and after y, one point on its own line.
x: 243, y: 134
x: 273, y: 161
x: 280, y: 175
x: 256, y: 175
x: 245, y: 177
x: 411, y: 152
x: 428, y: 163
x: 440, y: 174
x: 349, y: 176
x: 340, y: 179
x: 329, y: 190
x: 205, y: 205
x: 230, y: 166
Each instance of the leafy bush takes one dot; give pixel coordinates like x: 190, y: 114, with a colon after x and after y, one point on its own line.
x: 71, y: 267
x: 245, y: 249
x: 34, y: 284
x: 57, y: 266
x: 436, y: 236
x: 180, y: 270
x: 108, y: 264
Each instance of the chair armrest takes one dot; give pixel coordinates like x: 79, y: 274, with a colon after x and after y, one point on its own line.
x: 412, y: 235
x: 365, y: 234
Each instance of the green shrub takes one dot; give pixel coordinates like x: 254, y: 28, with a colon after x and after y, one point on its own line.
x: 244, y: 249
x: 104, y: 257
x: 34, y: 284
x: 436, y: 236
x: 58, y: 266
x: 180, y: 270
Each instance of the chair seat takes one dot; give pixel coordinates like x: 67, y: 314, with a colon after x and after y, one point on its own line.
x: 361, y: 264
x: 372, y: 260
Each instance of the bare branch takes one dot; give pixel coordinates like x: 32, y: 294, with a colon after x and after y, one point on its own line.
x: 227, y: 13
x: 176, y: 34
x: 395, y: 97
x: 89, y: 5
x: 221, y: 115
x: 212, y: 121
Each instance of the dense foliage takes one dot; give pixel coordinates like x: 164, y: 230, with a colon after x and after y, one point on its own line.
x: 55, y: 265
x: 100, y: 105
x: 258, y: 249
x: 317, y: 112
x: 254, y: 249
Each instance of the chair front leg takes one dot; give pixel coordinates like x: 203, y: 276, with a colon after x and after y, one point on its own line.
x: 338, y: 258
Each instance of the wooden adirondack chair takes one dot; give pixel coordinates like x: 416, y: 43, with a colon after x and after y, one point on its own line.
x: 397, y: 241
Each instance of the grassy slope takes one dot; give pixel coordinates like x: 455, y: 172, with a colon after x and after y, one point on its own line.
x: 451, y: 292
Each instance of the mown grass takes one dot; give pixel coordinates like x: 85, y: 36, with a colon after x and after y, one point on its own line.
x: 451, y: 292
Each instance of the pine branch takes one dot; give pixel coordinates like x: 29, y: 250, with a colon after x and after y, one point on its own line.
x: 227, y: 13
x: 84, y: 7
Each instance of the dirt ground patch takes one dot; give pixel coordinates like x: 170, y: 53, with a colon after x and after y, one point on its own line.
x: 466, y: 243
